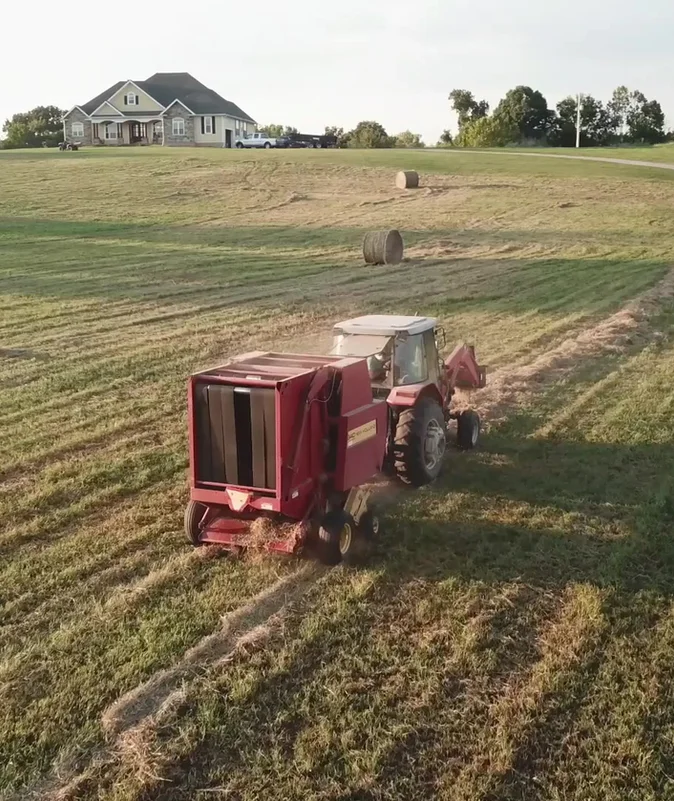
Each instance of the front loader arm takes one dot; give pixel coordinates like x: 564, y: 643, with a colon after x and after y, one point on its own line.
x: 462, y: 369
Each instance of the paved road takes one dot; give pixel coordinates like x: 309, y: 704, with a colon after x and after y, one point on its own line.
x: 658, y: 165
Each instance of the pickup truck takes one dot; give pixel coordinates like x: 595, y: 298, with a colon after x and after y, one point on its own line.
x: 261, y: 139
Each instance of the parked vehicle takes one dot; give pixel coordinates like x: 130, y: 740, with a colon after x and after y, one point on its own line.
x: 311, y: 140
x: 260, y: 139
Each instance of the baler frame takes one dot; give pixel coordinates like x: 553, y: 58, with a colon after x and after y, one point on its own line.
x: 326, y: 418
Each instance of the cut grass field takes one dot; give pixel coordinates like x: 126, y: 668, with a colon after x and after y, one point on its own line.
x: 513, y: 635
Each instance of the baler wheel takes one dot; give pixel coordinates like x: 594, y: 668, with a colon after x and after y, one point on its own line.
x: 337, y: 538
x: 419, y: 447
x: 467, y: 429
x: 194, y: 511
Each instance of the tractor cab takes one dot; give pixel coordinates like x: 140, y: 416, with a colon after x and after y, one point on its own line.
x: 400, y: 350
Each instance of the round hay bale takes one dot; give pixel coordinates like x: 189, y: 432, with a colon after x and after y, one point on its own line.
x: 383, y: 247
x: 407, y: 179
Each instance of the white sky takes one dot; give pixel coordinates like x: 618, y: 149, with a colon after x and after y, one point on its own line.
x: 315, y: 64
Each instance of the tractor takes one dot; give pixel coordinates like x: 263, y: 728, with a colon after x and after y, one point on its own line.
x: 297, y: 439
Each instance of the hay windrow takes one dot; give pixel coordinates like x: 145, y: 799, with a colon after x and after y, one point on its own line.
x: 509, y: 388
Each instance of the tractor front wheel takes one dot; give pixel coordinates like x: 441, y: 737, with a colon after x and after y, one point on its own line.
x: 419, y: 447
x: 193, y: 515
x: 467, y: 430
x: 337, y: 538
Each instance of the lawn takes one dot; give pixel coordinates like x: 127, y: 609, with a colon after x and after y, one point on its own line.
x: 513, y: 635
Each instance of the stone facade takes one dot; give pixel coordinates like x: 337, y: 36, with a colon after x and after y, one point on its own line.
x: 77, y: 116
x: 177, y: 110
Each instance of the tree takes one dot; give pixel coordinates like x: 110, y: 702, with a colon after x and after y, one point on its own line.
x: 408, y: 139
x: 487, y: 132
x: 646, y: 121
x: 34, y: 128
x: 597, y: 125
x: 527, y: 110
x: 369, y: 134
x: 338, y: 133
x: 446, y: 139
x: 273, y: 130
x: 466, y: 107
x: 618, y: 107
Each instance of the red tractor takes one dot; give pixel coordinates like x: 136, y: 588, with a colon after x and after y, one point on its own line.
x: 295, y: 437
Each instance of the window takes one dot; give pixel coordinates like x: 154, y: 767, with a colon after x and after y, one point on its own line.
x: 130, y: 99
x: 112, y: 130
x: 410, y: 360
x: 178, y: 126
x: 207, y: 125
x: 77, y: 129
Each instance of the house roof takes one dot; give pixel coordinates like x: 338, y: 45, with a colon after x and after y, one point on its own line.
x: 165, y: 87
x: 95, y: 102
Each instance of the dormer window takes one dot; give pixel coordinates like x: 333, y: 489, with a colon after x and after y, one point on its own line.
x: 130, y: 99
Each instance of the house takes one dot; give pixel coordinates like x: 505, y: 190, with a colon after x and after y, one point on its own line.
x: 169, y: 108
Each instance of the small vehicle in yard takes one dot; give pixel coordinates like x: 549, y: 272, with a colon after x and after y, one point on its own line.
x: 260, y: 139
x: 296, y: 440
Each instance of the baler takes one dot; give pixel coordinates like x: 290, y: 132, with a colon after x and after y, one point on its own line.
x: 296, y: 439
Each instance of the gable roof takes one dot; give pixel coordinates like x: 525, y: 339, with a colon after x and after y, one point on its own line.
x: 95, y: 102
x: 167, y: 87
x: 114, y: 110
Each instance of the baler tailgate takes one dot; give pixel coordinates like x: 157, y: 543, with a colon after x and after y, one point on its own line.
x: 235, y: 435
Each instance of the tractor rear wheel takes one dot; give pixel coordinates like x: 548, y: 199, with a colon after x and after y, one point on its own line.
x: 193, y: 514
x: 467, y: 429
x: 419, y: 447
x: 337, y: 538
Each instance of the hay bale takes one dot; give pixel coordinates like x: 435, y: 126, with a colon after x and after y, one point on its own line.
x: 383, y: 247
x: 407, y: 179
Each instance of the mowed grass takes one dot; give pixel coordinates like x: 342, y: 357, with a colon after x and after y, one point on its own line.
x: 512, y: 636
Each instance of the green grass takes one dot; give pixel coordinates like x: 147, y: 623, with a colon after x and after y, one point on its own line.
x: 512, y: 636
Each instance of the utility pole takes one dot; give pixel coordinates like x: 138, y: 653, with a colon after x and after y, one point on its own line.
x: 578, y: 101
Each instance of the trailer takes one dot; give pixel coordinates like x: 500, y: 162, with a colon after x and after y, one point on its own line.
x: 311, y: 140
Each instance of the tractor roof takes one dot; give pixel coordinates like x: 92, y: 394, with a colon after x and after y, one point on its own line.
x: 385, y: 325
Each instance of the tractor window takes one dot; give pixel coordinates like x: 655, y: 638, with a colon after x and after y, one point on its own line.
x: 410, y: 360
x: 432, y: 356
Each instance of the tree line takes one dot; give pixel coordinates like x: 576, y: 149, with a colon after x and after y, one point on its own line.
x: 39, y: 127
x: 523, y: 117
x: 366, y: 134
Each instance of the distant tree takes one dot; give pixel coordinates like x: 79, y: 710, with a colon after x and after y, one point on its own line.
x: 491, y: 131
x: 446, y: 139
x: 272, y: 130
x: 369, y: 134
x: 618, y: 106
x: 338, y: 133
x: 597, y: 125
x: 40, y: 126
x: 646, y: 122
x: 408, y: 139
x: 466, y: 107
x: 527, y: 110
x: 289, y: 130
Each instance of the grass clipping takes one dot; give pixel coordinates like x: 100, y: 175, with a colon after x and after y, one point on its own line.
x: 265, y: 530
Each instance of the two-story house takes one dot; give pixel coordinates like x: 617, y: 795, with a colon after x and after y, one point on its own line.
x: 169, y: 108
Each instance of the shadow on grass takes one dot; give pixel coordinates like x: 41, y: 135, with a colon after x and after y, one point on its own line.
x: 599, y: 513
x: 190, y: 265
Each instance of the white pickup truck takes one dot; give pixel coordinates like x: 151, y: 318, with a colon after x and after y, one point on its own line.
x: 260, y: 139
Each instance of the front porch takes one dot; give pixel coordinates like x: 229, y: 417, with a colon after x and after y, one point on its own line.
x: 148, y: 131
